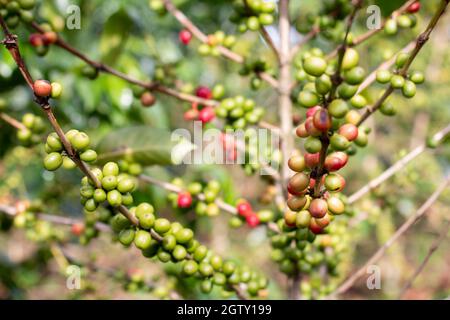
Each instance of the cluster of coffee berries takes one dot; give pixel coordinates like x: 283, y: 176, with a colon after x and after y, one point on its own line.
x: 328, y: 20
x: 405, y: 20
x: 252, y: 14
x: 45, y: 89
x: 406, y: 84
x: 116, y: 188
x: 203, y: 113
x: 245, y: 213
x: 129, y: 166
x: 42, y: 41
x: 254, y: 67
x: 15, y: 11
x: 57, y: 156
x: 199, y: 195
x: 166, y: 241
x: 36, y: 230
x: 33, y: 128
x: 238, y: 112
x: 218, y: 38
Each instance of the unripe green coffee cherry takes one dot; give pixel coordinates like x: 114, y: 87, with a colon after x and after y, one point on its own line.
x: 308, y: 98
x: 383, y: 76
x: 417, y: 77
x: 315, y: 66
x: 313, y: 145
x: 28, y: 120
x: 80, y: 141
x: 87, y: 191
x: 152, y: 250
x: 206, y: 269
x: 355, y: 75
x: 143, y: 209
x: 164, y: 256
x: 162, y: 225
x: 390, y: 28
x: 404, y: 21
x: 110, y: 169
x: 53, y: 161
x: 184, y: 235
x: 303, y: 219
x: 127, y: 199
x: 54, y: 142
x: 99, y: 195
x: 338, y: 108
x: 119, y: 222
x: 114, y: 198
x: 190, y: 268
x: 323, y: 84
x: 350, y: 59
x: 346, y: 91
x: 265, y: 216
x: 24, y: 135
x: 388, y: 109
x: 265, y: 19
x: 68, y: 163
x: 109, y: 182
x: 358, y: 101
x: 397, y: 81
x: 409, y: 89
x: 71, y: 133
x: 169, y: 242
x: 126, y: 237
x: 179, y: 252
x: 219, y: 279
x: 56, y: 90
x: 200, y: 253
x: 339, y: 142
x: 216, y: 262
x: 253, y: 23
x: 135, y: 169
x: 26, y: 4
x: 206, y: 286
x: 401, y: 59
x: 90, y: 205
x: 88, y: 155
x: 125, y: 185
x: 142, y: 239
x: 146, y: 220
x: 362, y: 139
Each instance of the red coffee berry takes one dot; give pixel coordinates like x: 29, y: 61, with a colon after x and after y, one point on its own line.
x: 77, y: 228
x: 184, y: 199
x: 244, y: 209
x: 324, y: 221
x: 413, y: 8
x: 252, y: 220
x: 49, y: 37
x: 147, y: 99
x: 36, y: 40
x: 348, y: 130
x: 312, y: 159
x: 314, y: 227
x: 185, y: 36
x: 322, y: 120
x: 311, y: 128
x: 301, y: 131
x: 203, y: 92
x: 206, y: 114
x: 318, y: 208
x: 311, y: 111
x: 42, y: 88
x: 191, y: 114
x: 335, y: 161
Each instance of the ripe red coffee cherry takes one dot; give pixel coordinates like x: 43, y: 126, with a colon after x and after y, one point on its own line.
x: 322, y: 120
x: 314, y: 227
x: 203, y: 92
x: 310, y: 128
x: 318, y: 208
x: 299, y: 182
x: 335, y: 161
x: 312, y: 111
x: 42, y: 88
x: 348, y: 130
x: 244, y: 209
x: 191, y: 114
x: 147, y: 99
x: 301, y: 131
x: 324, y: 221
x: 184, y: 200
x: 77, y: 228
x: 36, y: 40
x: 311, y: 159
x: 413, y: 8
x: 49, y: 37
x: 206, y: 114
x: 252, y: 220
x: 185, y: 36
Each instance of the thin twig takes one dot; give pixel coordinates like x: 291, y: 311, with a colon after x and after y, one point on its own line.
x: 432, y: 250
x: 347, y: 284
x: 13, y: 122
x: 420, y: 41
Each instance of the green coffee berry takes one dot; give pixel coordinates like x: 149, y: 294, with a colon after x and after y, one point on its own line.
x: 53, y: 161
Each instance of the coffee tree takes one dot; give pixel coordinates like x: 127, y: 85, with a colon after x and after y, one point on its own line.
x: 108, y: 111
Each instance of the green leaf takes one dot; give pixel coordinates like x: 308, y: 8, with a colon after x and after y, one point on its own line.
x: 115, y: 33
x: 145, y: 145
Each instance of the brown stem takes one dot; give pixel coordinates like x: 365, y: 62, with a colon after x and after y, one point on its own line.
x: 13, y: 122
x: 400, y: 231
